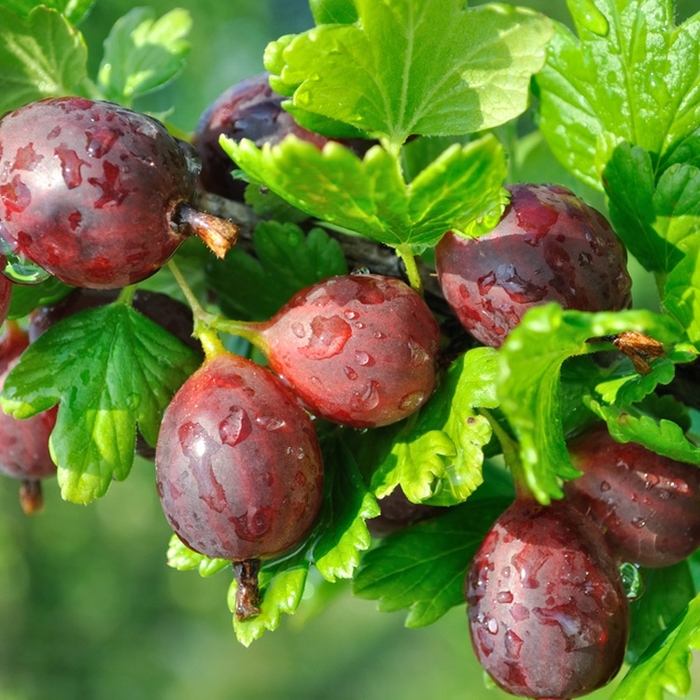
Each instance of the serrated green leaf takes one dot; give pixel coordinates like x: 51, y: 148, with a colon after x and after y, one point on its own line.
x: 667, y: 591
x: 110, y: 368
x: 370, y: 196
x: 281, y: 590
x: 286, y: 261
x: 26, y: 298
x: 657, y: 220
x: 342, y: 532
x: 422, y: 568
x: 333, y: 11
x: 682, y: 290
x: 143, y: 53
x: 41, y: 55
x: 529, y: 384
x: 179, y: 556
x: 664, y: 666
x: 437, y: 457
x: 632, y: 75
x: 665, y: 437
x: 418, y: 67
x: 74, y: 10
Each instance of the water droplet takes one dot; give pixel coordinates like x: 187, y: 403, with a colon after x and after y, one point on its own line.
x: 70, y: 166
x: 328, y: 337
x: 639, y: 522
x: 236, y: 427
x: 504, y: 597
x: 604, y: 486
x: 513, y: 644
x: 379, y: 335
x: 412, y: 402
x: 253, y: 526
x: 419, y: 355
x: 298, y: 329
x: 362, y: 358
x: 21, y: 271
x: 270, y: 423
x: 350, y: 314
x: 366, y: 398
x: 592, y: 19
x: 350, y: 373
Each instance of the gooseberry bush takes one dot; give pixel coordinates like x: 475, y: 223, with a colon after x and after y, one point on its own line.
x: 423, y: 216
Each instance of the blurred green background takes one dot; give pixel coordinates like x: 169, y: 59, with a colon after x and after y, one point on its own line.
x: 88, y: 607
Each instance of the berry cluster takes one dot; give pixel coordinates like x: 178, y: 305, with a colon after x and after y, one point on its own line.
x: 101, y: 197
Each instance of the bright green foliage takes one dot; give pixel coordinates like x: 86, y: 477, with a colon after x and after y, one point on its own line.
x: 143, y: 53
x: 528, y: 386
x: 437, y: 457
x: 664, y: 665
x: 371, y: 197
x: 415, y: 67
x: 74, y: 10
x: 41, y: 55
x: 422, y: 568
x: 109, y: 369
x: 631, y: 75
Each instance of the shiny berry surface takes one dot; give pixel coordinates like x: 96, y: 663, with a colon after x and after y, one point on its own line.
x: 357, y: 349
x: 547, y: 610
x: 549, y: 246
x: 251, y: 110
x: 238, y: 465
x: 647, y: 505
x: 90, y: 191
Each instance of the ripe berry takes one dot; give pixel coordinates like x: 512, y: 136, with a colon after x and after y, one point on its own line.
x: 24, y: 444
x: 95, y: 194
x: 251, y: 110
x: 356, y: 349
x: 397, y: 512
x: 547, y: 609
x: 549, y: 246
x: 238, y: 467
x: 648, y: 506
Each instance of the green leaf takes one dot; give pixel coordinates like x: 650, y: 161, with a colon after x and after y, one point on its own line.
x: 529, y: 381
x: 422, y: 568
x: 143, y: 53
x: 667, y: 591
x: 437, y: 457
x: 26, y: 298
x: 333, y: 11
x: 418, y: 67
x: 41, y: 55
x: 110, y: 368
x: 182, y: 558
x: 74, y: 10
x: 286, y: 261
x: 370, y: 196
x: 632, y: 75
x: 657, y: 221
x: 281, y: 588
x: 341, y: 532
x: 682, y: 290
x: 664, y: 666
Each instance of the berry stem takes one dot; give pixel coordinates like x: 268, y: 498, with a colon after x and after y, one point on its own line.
x: 204, y: 321
x: 247, y: 591
x: 409, y: 260
x: 511, y: 454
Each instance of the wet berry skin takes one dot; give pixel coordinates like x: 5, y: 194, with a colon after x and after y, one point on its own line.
x: 249, y: 109
x: 647, y: 505
x: 90, y: 191
x: 357, y: 349
x: 238, y: 465
x: 549, y: 246
x: 547, y: 610
x: 24, y: 444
